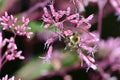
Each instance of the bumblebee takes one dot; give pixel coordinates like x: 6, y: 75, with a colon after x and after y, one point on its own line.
x: 73, y: 40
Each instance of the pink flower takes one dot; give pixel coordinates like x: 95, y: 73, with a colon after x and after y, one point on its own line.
x: 89, y: 60
x: 74, y: 29
x: 6, y: 78
x: 7, y: 21
x: 54, y: 17
x: 89, y: 41
x: 68, y: 32
x: 22, y: 29
x: 81, y: 4
x: 114, y: 59
x: 48, y: 56
x: 47, y: 26
x: 109, y: 45
x: 1, y: 43
x: 116, y: 5
x: 63, y: 19
x: 49, y: 41
x: 11, y: 52
x: 110, y: 49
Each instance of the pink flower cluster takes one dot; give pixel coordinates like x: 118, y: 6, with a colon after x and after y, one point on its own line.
x: 69, y: 24
x: 6, y: 78
x: 9, y: 22
x: 54, y: 17
x: 11, y: 52
x: 81, y: 4
x: 116, y: 5
x: 63, y: 19
x: 110, y: 49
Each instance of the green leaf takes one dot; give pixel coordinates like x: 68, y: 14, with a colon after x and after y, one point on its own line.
x: 70, y: 59
x: 33, y: 69
x: 36, y: 26
x: 2, y: 3
x: 39, y: 26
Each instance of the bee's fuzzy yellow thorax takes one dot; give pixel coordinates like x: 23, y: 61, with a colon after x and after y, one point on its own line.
x: 75, y: 38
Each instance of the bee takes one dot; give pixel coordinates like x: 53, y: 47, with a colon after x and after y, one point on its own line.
x: 73, y: 40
